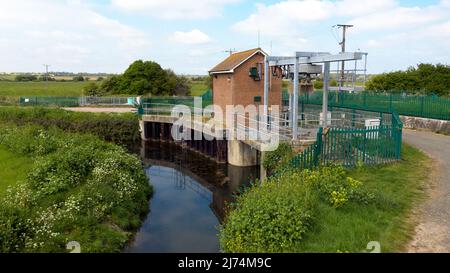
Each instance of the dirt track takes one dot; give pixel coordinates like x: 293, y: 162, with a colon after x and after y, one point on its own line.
x: 433, y: 230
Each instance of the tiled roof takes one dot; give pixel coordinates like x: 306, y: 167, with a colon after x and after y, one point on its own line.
x: 234, y: 60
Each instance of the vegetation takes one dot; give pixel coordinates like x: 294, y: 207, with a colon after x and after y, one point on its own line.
x: 329, y: 209
x: 423, y: 79
x: 80, y: 189
x: 144, y: 78
x: 52, y: 88
x: 14, y: 168
x: 118, y: 128
x: 278, y: 158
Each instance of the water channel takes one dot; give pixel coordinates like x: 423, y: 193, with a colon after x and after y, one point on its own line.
x: 189, y: 200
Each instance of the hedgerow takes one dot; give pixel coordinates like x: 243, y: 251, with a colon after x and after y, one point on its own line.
x: 120, y: 128
x: 80, y: 189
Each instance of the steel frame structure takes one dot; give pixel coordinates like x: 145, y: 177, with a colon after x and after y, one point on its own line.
x: 302, y: 58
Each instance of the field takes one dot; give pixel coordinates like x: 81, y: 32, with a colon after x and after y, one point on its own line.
x: 16, y: 89
x: 198, y: 88
x: 63, y: 89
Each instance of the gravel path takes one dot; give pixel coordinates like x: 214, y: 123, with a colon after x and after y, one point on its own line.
x: 433, y: 230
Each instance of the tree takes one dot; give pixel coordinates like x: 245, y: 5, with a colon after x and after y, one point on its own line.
x: 423, y: 79
x: 181, y: 84
x: 92, y: 89
x: 78, y: 78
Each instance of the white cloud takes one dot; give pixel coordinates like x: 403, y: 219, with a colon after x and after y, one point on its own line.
x: 64, y: 33
x: 194, y: 36
x: 284, y: 16
x: 175, y: 9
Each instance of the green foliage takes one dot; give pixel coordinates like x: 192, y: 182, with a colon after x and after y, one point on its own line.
x: 92, y: 89
x: 26, y: 78
x: 270, y: 217
x: 276, y: 215
x: 318, y: 84
x: 118, y: 128
x: 333, y: 83
x: 78, y: 78
x: 278, y: 158
x: 337, y: 189
x: 423, y: 79
x: 80, y: 188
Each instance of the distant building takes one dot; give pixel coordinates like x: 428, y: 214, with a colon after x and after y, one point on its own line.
x: 239, y: 80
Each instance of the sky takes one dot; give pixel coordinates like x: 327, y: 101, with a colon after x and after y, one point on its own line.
x: 190, y: 37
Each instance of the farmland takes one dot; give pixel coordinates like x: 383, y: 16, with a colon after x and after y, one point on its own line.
x: 69, y: 89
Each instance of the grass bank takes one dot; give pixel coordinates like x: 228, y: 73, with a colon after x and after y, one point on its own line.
x: 79, y: 188
x: 349, y: 209
x: 14, y: 169
x: 120, y: 128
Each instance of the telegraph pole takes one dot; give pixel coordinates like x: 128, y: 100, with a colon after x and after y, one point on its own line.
x: 230, y: 51
x: 46, y: 75
x: 342, y: 43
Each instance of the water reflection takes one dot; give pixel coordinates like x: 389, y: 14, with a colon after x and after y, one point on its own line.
x: 191, y: 193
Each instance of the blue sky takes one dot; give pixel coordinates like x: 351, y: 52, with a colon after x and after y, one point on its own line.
x: 191, y: 36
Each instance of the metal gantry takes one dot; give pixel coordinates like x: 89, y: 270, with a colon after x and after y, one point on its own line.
x: 303, y: 60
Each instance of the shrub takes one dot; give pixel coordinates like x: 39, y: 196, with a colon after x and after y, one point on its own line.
x: 275, y: 215
x: 118, y: 128
x: 79, y: 188
x: 270, y: 217
x: 278, y: 158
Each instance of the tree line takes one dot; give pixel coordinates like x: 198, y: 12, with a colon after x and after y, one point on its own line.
x: 425, y: 79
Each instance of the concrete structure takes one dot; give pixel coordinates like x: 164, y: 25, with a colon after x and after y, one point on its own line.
x: 239, y: 80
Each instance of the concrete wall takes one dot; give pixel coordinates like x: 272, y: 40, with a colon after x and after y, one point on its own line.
x: 241, y: 154
x: 434, y: 125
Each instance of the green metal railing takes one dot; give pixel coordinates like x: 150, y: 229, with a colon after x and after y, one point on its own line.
x: 417, y: 106
x: 352, y: 146
x: 49, y: 101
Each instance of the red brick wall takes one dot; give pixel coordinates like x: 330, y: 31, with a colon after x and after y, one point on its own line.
x: 242, y: 89
x: 222, y: 86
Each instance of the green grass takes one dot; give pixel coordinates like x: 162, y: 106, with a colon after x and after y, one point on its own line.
x: 14, y: 169
x: 64, y: 89
x: 198, y: 88
x: 69, y: 89
x: 398, y: 188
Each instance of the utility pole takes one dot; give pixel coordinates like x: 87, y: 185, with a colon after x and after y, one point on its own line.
x: 342, y: 43
x: 46, y: 75
x: 230, y: 51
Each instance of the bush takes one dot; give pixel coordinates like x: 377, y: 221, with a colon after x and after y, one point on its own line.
x: 318, y: 84
x: 275, y: 215
x: 80, y: 188
x: 271, y: 217
x: 278, y: 158
x: 118, y: 128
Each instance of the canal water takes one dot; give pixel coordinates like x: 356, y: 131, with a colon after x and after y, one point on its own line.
x: 191, y: 193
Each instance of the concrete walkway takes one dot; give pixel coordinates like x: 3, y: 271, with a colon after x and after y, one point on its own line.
x: 433, y: 230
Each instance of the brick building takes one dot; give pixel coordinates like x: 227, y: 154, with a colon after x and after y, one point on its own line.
x: 239, y: 80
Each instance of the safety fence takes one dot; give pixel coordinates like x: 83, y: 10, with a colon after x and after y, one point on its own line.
x: 352, y: 146
x: 418, y: 106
